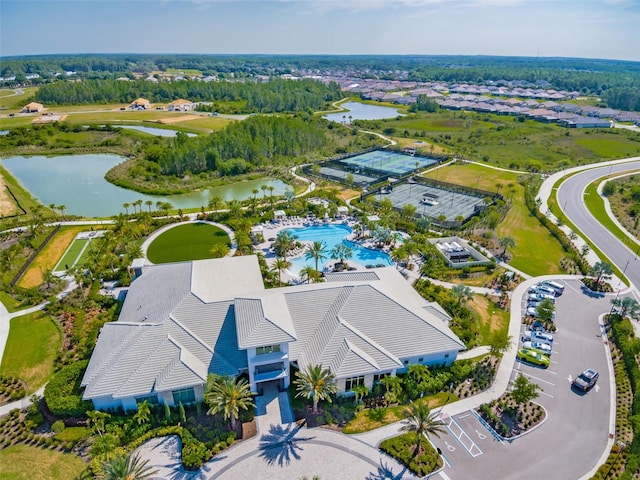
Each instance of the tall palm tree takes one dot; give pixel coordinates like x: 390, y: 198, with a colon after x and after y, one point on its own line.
x: 309, y: 273
x: 126, y: 207
x: 419, y: 419
x: 285, y: 242
x: 342, y: 252
x: 316, y: 251
x: 279, y: 264
x: 148, y: 203
x: 462, y: 293
x: 507, y: 242
x: 62, y: 208
x: 143, y: 414
x: 316, y: 383
x: 228, y: 396
x: 124, y: 467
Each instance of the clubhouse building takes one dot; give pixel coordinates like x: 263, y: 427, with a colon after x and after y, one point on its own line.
x: 182, y: 321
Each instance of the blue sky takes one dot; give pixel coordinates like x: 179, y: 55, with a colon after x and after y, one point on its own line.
x: 568, y: 28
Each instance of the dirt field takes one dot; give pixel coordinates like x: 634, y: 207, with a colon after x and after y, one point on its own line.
x: 49, y: 257
x: 49, y: 118
x: 7, y: 205
x: 181, y: 118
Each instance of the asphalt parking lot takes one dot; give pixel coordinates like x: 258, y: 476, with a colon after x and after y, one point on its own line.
x: 571, y: 440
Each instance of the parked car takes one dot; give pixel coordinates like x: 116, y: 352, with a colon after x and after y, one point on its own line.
x: 586, y: 380
x: 538, y: 346
x: 531, y: 336
x: 531, y: 356
x: 558, y: 287
x: 538, y: 326
x: 544, y: 289
x: 532, y: 311
x: 538, y: 297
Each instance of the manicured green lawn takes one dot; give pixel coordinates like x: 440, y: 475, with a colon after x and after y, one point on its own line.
x: 31, y: 348
x: 192, y: 241
x: 24, y: 462
x: 71, y: 256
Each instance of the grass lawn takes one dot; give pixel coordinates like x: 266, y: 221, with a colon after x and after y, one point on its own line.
x: 9, y: 302
x: 192, y: 241
x: 71, y: 255
x: 24, y: 462
x: 31, y: 348
x: 368, y: 419
x: 536, y: 252
x: 16, y: 102
x: 205, y: 123
x: 492, y: 318
x: 74, y: 434
x: 49, y: 257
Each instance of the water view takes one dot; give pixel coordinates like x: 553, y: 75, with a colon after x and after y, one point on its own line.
x: 77, y: 181
x: 362, y: 111
x: 332, y: 235
x: 159, y: 132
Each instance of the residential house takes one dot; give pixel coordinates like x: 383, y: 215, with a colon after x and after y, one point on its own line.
x: 140, y: 104
x: 32, y: 107
x: 182, y: 105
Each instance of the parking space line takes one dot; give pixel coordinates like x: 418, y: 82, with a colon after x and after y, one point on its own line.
x: 536, y: 378
x: 444, y: 476
x: 542, y: 392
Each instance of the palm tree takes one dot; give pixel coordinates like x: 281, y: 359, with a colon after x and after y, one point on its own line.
x: 420, y: 420
x: 271, y: 188
x: 507, y: 242
x: 126, y: 207
x: 279, y: 264
x: 97, y: 420
x: 462, y: 293
x: 124, y: 467
x: 148, y: 203
x: 316, y: 251
x: 62, y: 208
x: 601, y: 270
x: 309, y: 273
x: 285, y: 242
x: 264, y: 191
x: 627, y: 306
x: 138, y: 203
x: 316, y: 383
x: 228, y: 396
x: 342, y: 252
x: 143, y: 414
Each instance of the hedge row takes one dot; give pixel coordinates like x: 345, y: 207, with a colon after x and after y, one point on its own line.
x: 63, y: 393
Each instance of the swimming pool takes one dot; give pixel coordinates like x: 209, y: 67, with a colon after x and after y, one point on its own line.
x: 332, y: 235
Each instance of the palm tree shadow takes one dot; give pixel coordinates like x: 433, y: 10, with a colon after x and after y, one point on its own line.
x: 384, y: 472
x: 280, y: 445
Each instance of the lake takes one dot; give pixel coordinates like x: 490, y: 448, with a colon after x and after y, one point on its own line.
x: 77, y: 181
x: 362, y: 111
x: 159, y: 132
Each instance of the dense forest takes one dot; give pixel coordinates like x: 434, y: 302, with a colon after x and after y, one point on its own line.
x: 269, y: 97
x: 258, y: 142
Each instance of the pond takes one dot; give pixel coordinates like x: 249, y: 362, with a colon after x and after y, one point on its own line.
x: 332, y: 235
x: 159, y: 132
x: 77, y: 181
x: 362, y: 111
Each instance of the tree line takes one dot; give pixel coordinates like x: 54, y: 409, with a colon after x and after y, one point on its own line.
x: 242, y: 147
x: 270, y: 97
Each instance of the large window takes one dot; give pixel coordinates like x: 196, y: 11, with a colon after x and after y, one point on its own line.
x: 379, y: 376
x: 267, y: 349
x: 152, y: 399
x: 184, y: 395
x: 351, y: 383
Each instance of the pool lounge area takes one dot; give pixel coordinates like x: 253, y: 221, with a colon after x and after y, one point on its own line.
x: 365, y: 256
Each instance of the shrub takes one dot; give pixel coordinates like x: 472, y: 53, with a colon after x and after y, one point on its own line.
x: 194, y: 454
x: 63, y: 395
x: 58, y: 426
x: 402, y: 449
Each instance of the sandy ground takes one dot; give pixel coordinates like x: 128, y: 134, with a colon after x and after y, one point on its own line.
x: 181, y: 118
x: 49, y: 118
x: 7, y: 205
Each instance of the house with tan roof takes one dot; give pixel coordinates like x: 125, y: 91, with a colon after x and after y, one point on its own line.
x: 182, y: 321
x: 140, y: 104
x: 182, y: 105
x: 32, y: 107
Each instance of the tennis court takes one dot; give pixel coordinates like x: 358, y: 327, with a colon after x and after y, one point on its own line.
x: 440, y: 201
x: 387, y: 162
x: 341, y: 175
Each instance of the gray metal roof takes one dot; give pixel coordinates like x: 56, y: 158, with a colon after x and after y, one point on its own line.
x: 359, y: 276
x: 262, y: 322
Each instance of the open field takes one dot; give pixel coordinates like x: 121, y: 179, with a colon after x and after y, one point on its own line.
x: 492, y: 318
x: 49, y: 257
x: 14, y: 103
x: 24, y: 462
x: 505, y: 141
x: 31, y: 348
x: 536, y: 252
x: 186, y: 242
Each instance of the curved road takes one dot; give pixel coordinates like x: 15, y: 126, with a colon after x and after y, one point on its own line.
x: 570, y: 197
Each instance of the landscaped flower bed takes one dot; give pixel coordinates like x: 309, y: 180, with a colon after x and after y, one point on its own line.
x: 510, y: 419
x: 402, y: 448
x: 11, y: 389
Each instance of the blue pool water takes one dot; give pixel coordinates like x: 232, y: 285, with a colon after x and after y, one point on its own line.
x: 333, y: 235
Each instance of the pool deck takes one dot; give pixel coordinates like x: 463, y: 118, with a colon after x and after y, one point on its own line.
x: 271, y: 230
